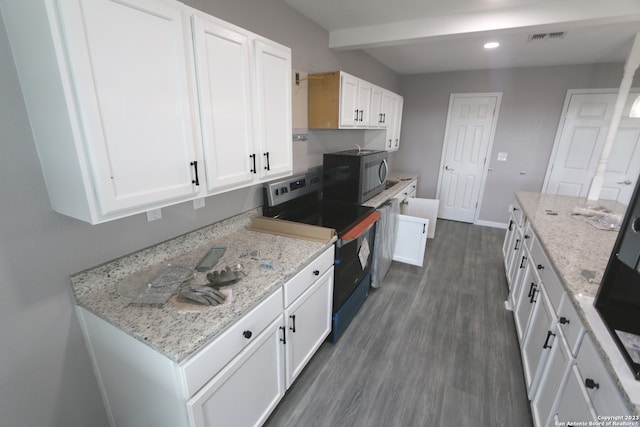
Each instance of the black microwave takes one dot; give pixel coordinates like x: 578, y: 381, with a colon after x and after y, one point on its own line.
x: 353, y: 176
x: 618, y: 298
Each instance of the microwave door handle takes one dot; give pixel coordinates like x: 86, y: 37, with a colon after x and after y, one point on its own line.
x: 382, y: 172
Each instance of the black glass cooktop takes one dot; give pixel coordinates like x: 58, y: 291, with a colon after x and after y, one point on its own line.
x: 339, y: 216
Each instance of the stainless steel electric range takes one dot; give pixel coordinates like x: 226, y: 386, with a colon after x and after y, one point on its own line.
x: 298, y: 199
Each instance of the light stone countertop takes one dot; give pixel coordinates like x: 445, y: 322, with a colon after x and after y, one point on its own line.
x: 573, y: 246
x: 179, y: 329
x: 404, y: 179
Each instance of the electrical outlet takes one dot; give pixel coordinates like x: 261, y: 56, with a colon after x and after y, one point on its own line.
x: 154, y: 214
x: 198, y: 203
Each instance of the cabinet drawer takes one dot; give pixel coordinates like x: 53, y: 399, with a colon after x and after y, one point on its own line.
x: 529, y: 236
x: 570, y: 323
x: 309, y: 274
x: 205, y: 364
x: 518, y: 214
x: 553, y: 286
x: 601, y: 388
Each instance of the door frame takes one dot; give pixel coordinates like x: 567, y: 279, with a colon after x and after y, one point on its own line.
x: 563, y: 119
x: 485, y: 172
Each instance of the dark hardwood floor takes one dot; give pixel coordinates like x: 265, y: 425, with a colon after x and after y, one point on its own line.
x: 434, y: 346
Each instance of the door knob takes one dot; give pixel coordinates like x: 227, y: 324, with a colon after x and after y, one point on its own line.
x: 625, y: 182
x: 448, y: 168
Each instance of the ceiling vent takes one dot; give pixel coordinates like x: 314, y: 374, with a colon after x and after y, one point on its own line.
x: 538, y: 37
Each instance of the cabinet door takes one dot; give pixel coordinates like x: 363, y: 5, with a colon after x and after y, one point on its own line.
x: 507, y: 244
x: 387, y: 105
x: 376, y: 115
x: 273, y: 71
x: 552, y: 382
x: 524, y: 297
x: 364, y: 103
x: 224, y: 75
x: 247, y: 390
x: 397, y: 122
x: 308, y: 322
x: 411, y: 240
x: 130, y: 72
x: 539, y: 340
x: 349, y: 111
x: 573, y: 403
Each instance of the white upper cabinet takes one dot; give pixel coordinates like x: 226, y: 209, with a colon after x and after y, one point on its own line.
x: 225, y: 91
x: 244, y: 89
x: 355, y: 101
x: 114, y: 127
x: 273, y: 71
x: 120, y: 124
x: 376, y: 118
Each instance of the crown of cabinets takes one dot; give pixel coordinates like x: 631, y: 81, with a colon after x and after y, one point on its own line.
x: 338, y: 100
x: 140, y: 104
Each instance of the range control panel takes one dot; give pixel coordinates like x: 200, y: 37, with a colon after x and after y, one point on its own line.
x: 293, y: 187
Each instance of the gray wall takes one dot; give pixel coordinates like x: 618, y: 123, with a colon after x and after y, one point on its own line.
x: 532, y: 101
x: 45, y: 374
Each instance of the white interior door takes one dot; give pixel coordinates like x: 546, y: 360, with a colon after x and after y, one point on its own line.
x: 579, y: 143
x: 469, y: 134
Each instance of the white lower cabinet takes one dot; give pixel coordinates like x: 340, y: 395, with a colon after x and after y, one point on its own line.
x: 233, y: 397
x: 539, y: 339
x: 308, y: 322
x: 235, y: 380
x: 573, y: 403
x: 566, y: 378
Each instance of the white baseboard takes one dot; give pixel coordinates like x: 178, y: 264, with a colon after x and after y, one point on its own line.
x: 492, y: 224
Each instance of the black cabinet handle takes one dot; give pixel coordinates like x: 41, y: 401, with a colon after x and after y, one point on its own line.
x: 540, y: 267
x: 532, y: 292
x: 424, y: 226
x: 316, y: 272
x: 293, y: 318
x: 510, y: 224
x: 247, y: 334
x: 356, y: 119
x: 564, y: 320
x: 546, y: 342
x: 195, y: 166
x: 268, y: 167
x: 526, y: 236
x: 517, y: 243
x: 253, y: 157
x: 524, y: 259
x: 589, y: 383
x: 284, y: 335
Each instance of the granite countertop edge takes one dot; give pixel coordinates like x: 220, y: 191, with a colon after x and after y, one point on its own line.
x: 542, y: 211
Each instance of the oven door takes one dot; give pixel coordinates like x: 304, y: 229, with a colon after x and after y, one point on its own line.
x: 354, y: 255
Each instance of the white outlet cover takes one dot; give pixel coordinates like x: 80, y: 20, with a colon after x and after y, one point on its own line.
x: 154, y: 214
x: 198, y: 203
x: 502, y: 157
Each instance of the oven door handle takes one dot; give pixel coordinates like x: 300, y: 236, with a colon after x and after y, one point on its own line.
x: 359, y: 229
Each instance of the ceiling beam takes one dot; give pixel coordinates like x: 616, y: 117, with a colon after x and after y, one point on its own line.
x: 560, y: 14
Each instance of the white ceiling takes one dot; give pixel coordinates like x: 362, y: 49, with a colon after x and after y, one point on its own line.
x: 423, y: 36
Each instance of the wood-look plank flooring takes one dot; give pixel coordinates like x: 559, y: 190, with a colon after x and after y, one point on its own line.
x: 433, y: 346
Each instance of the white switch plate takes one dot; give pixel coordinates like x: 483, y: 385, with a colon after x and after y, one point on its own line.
x: 198, y: 203
x: 154, y: 214
x: 502, y: 157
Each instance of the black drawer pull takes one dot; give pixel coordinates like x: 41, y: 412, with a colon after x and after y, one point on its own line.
x: 524, y: 259
x: 517, y: 243
x: 247, y: 334
x: 546, y: 342
x: 195, y: 166
x: 564, y: 320
x: 293, y: 327
x: 316, y: 272
x: 532, y: 293
x: 589, y: 383
x: 284, y: 335
x: 540, y: 267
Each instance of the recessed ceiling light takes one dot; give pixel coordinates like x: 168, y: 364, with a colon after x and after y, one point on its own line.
x: 491, y: 45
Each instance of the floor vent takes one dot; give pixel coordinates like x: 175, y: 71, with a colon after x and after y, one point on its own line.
x: 546, y: 36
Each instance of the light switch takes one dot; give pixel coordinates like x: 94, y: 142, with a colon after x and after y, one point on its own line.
x: 502, y: 157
